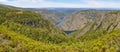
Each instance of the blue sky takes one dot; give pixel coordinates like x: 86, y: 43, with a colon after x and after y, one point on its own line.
x: 63, y: 3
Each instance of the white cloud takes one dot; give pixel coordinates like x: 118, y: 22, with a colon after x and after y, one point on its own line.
x: 3, y: 0
x: 99, y: 4
x: 44, y: 3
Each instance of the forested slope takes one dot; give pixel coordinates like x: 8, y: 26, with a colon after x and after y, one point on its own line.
x: 30, y: 24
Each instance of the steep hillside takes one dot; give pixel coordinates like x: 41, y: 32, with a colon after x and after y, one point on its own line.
x: 97, y: 28
x: 100, y: 35
x: 52, y: 15
x: 78, y: 20
x: 30, y: 24
x: 111, y: 20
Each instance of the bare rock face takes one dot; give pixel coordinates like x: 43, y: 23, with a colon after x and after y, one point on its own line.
x: 79, y: 19
x: 111, y: 20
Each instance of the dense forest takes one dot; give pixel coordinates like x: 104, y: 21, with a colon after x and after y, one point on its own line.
x: 26, y: 31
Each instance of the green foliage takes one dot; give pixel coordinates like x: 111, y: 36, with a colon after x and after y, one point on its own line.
x: 38, y: 34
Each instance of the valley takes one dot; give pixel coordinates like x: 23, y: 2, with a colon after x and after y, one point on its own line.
x: 59, y: 29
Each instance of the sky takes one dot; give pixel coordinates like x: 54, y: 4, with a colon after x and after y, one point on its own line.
x: 63, y: 3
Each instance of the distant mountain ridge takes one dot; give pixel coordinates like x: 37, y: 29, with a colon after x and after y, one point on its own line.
x: 58, y: 15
